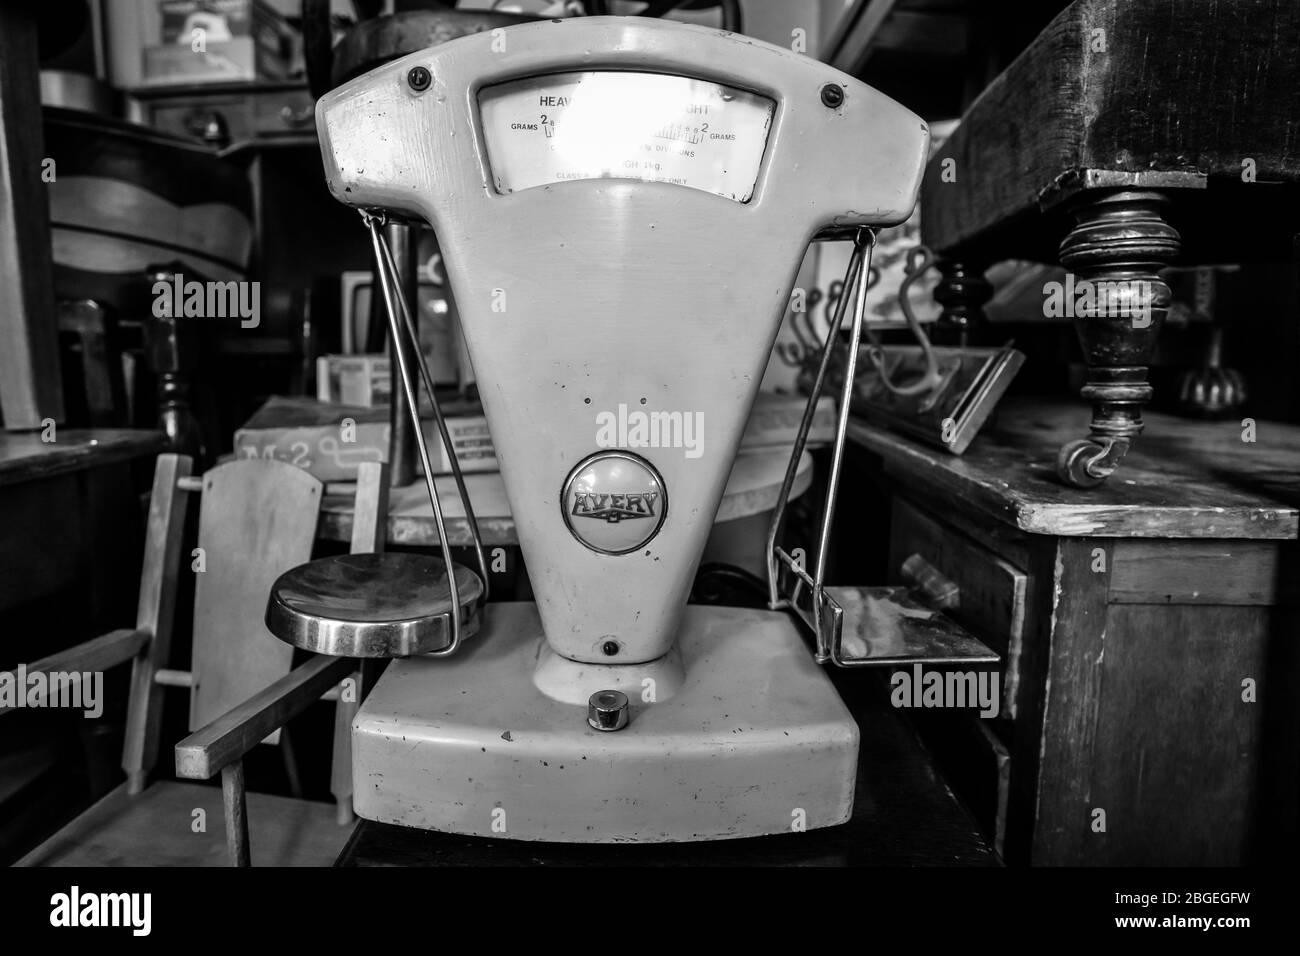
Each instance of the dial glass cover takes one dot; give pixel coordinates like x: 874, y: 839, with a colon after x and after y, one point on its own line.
x: 651, y: 127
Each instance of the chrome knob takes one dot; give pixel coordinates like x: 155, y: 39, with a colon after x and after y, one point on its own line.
x: 607, y: 710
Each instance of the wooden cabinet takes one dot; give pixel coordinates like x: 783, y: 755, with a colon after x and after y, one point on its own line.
x: 1148, y: 630
x: 224, y: 114
x: 72, y: 535
x: 992, y: 591
x: 71, y: 539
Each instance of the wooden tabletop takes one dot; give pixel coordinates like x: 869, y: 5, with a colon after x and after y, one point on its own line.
x: 1181, y: 479
x: 24, y: 457
x: 752, y: 489
x: 904, y: 814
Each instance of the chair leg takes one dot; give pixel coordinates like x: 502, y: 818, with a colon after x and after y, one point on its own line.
x: 1114, y: 254
x: 341, y: 764
x: 290, y: 763
x: 232, y: 799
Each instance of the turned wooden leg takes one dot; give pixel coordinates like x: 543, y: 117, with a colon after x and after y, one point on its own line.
x: 961, y: 292
x: 172, y: 360
x: 1113, y: 257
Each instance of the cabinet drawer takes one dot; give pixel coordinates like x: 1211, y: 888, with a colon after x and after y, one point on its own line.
x: 191, y: 117
x: 975, y: 763
x: 241, y: 117
x: 991, y: 591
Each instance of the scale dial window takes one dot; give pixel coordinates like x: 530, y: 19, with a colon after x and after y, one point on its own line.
x: 650, y: 127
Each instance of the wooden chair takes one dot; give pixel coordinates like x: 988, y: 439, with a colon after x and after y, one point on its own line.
x: 257, y: 519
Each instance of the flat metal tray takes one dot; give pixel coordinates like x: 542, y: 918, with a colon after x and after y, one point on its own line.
x: 372, y: 605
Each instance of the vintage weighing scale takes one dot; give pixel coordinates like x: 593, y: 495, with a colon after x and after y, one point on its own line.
x: 623, y: 204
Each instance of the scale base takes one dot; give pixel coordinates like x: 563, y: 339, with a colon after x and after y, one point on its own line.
x: 755, y: 741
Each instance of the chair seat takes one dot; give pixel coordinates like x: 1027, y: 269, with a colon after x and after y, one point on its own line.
x: 155, y: 828
x: 372, y: 605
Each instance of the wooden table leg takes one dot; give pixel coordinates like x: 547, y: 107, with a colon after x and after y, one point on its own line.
x: 1118, y: 246
x: 961, y: 292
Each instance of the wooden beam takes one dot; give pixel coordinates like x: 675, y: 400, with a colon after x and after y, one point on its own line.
x: 226, y: 740
x: 370, y: 511
x: 31, y: 386
x: 155, y: 614
x: 97, y: 654
x: 236, y: 811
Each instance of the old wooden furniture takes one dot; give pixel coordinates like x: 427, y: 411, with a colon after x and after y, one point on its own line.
x: 1148, y: 630
x: 257, y: 519
x: 74, y: 489
x: 1131, y: 133
x: 69, y: 560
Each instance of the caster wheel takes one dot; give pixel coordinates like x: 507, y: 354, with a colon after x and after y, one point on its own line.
x: 1072, y: 463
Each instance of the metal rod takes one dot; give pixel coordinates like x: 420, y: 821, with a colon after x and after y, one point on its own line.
x: 775, y: 602
x: 446, y: 437
x: 841, y: 429
x: 388, y: 283
x: 401, y: 442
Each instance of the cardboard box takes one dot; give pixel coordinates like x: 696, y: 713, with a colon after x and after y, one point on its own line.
x: 362, y: 380
x: 330, y: 441
x: 774, y: 421
x: 220, y: 20
x: 218, y: 41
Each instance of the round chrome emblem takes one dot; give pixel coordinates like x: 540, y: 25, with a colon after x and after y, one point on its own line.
x: 614, y: 502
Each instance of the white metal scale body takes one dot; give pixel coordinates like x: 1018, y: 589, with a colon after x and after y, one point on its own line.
x: 590, y: 293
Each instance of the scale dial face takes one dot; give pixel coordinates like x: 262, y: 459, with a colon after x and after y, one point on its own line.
x: 651, y: 127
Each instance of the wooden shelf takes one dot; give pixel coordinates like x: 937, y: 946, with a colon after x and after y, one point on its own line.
x: 23, y: 456
x: 1182, y: 479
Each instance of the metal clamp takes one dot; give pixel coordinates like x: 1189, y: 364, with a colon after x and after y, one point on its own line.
x: 883, y: 626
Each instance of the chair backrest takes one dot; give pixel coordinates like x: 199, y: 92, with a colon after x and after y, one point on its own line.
x: 257, y: 519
